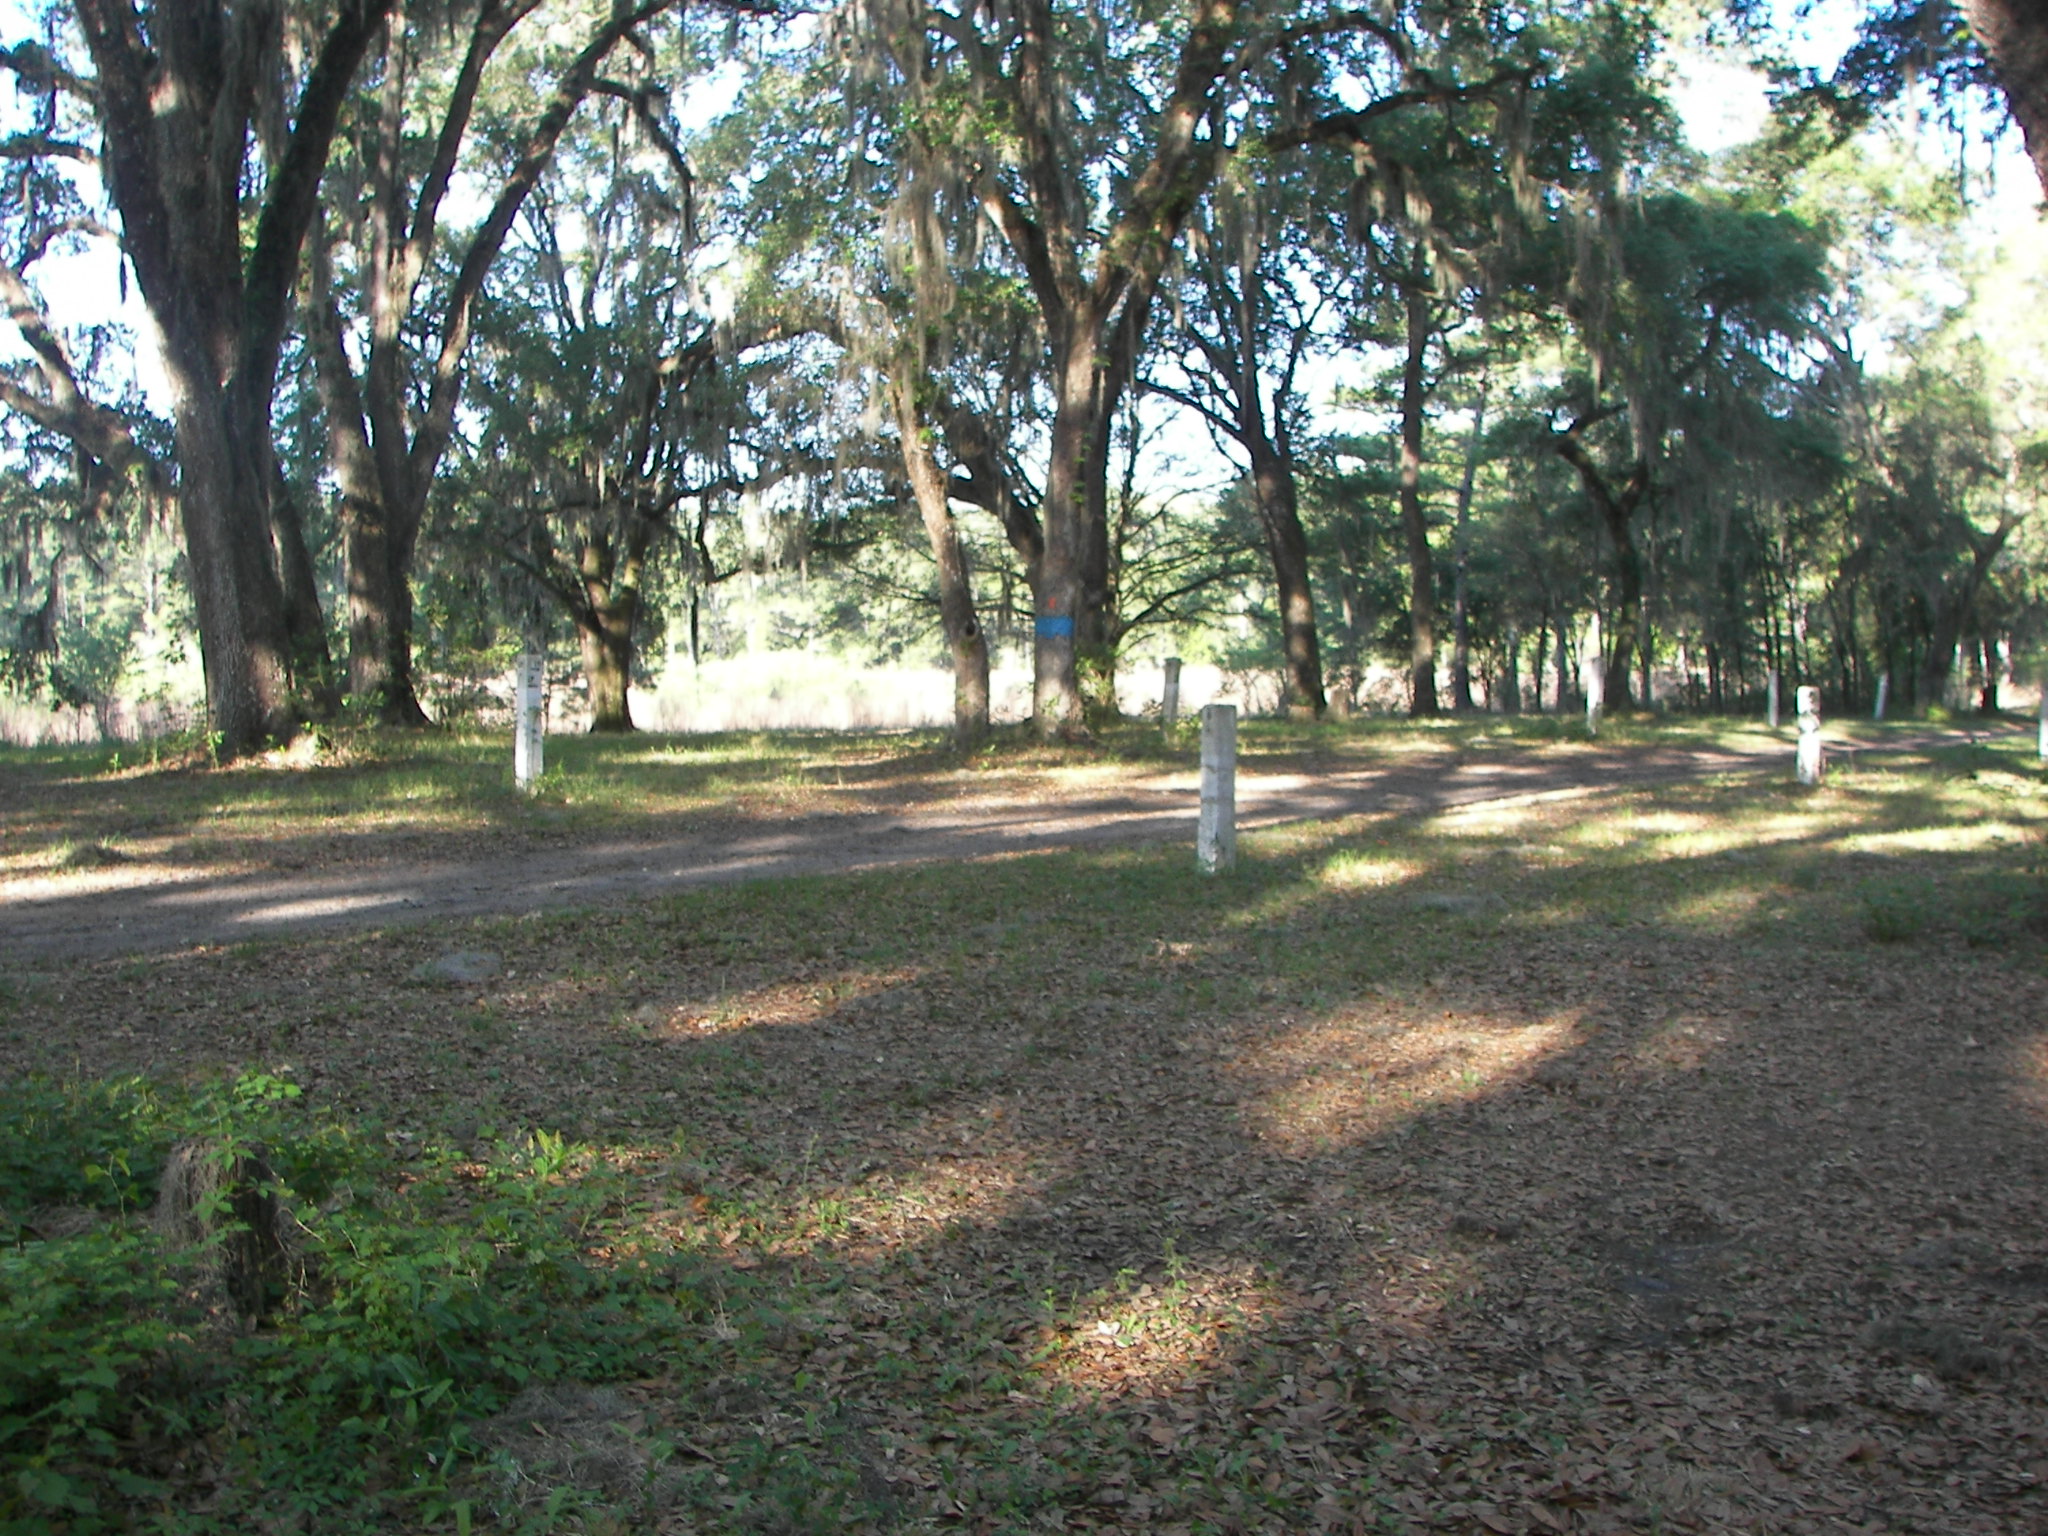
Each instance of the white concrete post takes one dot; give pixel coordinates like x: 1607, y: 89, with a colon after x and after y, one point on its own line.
x: 1169, y: 698
x: 1811, y: 763
x: 528, y: 719
x: 2044, y: 719
x: 1884, y: 694
x: 1216, y: 830
x: 1771, y: 697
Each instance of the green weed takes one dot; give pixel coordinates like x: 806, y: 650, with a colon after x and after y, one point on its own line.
x: 430, y: 1292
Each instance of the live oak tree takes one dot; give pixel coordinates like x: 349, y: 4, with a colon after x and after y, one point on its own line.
x: 1255, y: 290
x: 1437, y: 195
x: 599, y: 404
x: 390, y: 333
x: 1097, y: 134
x: 858, y: 228
x: 916, y: 316
x: 214, y: 124
x: 1675, y: 300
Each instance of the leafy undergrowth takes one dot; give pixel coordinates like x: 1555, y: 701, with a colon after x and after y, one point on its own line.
x: 1646, y: 1161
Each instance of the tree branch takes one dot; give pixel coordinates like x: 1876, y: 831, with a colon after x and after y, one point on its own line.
x: 294, y: 191
x: 40, y: 146
x: 437, y: 424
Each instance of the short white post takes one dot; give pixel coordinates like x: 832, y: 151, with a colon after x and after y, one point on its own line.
x: 1811, y: 763
x: 1771, y: 697
x: 1216, y: 830
x: 1169, y: 698
x: 2044, y: 718
x: 1884, y: 694
x: 528, y: 719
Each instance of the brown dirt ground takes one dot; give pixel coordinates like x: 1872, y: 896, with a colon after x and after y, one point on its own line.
x: 1612, y: 1238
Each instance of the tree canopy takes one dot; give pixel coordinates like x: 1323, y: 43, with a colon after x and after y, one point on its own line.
x: 1399, y: 342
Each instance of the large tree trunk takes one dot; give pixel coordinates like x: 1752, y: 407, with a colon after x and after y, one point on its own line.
x: 1095, y: 623
x: 379, y: 595
x: 1273, y: 493
x: 2015, y: 34
x: 1951, y: 605
x: 604, y: 600
x: 1048, y: 229
x: 178, y: 93
x: 1099, y: 631
x: 1059, y: 592
x: 964, y: 636
x: 223, y: 504
x: 1628, y: 600
x: 1421, y: 569
x: 605, y: 635
x: 305, y: 626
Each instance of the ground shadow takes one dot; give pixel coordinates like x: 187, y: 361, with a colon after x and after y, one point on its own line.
x: 1418, y: 1175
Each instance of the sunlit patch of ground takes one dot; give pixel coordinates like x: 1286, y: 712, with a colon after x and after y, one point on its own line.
x: 2030, y: 1081
x: 1682, y: 1044
x: 1147, y: 1338
x: 1716, y: 909
x: 1352, y: 1077
x: 1944, y: 839
x: 1501, y: 818
x: 779, y: 1005
x: 1352, y: 870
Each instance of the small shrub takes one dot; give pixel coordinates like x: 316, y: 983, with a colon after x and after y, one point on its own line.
x: 419, y: 1300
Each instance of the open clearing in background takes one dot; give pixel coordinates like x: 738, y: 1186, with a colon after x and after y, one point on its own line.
x: 1661, y: 1159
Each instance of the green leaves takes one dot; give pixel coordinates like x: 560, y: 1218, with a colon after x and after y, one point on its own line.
x: 428, y: 1294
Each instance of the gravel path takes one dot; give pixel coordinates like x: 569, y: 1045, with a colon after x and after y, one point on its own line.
x: 51, y: 920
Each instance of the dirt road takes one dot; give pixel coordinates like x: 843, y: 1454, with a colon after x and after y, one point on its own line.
x: 155, y: 909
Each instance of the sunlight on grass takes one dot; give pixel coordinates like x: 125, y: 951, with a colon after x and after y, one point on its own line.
x: 1669, y: 823
x: 1745, y: 829
x: 1350, y: 870
x: 1143, y: 1338
x: 1714, y: 910
x: 1949, y: 839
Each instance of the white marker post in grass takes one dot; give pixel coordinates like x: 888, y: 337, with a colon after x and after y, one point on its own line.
x: 1810, y: 762
x: 2044, y: 719
x: 1216, y: 829
x: 1169, y: 698
x: 1884, y: 695
x: 1771, y: 697
x: 527, y: 720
